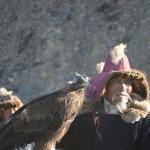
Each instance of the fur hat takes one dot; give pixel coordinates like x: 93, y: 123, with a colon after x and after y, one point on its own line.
x: 138, y: 106
x: 138, y: 79
x: 9, y: 103
x: 116, y: 61
x: 117, y: 65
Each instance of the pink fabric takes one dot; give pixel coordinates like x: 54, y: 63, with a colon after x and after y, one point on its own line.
x: 123, y: 64
x: 98, y: 81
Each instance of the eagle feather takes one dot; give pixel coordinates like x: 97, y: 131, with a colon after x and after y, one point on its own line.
x: 45, y: 120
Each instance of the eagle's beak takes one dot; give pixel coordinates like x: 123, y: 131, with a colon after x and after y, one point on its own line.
x: 86, y: 82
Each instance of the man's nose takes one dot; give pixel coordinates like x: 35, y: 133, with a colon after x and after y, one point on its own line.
x: 123, y: 86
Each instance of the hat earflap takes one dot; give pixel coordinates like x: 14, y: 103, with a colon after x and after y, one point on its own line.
x: 136, y: 110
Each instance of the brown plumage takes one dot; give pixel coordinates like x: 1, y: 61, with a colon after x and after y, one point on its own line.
x: 45, y: 120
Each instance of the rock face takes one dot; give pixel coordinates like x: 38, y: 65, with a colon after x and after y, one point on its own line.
x: 43, y: 41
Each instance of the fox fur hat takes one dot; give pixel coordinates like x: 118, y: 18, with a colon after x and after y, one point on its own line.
x: 8, y: 100
x: 138, y: 79
x: 138, y: 105
x: 115, y: 61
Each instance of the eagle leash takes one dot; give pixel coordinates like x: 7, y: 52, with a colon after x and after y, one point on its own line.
x: 96, y: 119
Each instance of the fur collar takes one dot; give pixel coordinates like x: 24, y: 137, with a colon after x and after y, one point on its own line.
x: 109, y: 108
x: 136, y: 109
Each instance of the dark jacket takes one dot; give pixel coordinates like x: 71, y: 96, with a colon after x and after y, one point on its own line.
x: 116, y: 134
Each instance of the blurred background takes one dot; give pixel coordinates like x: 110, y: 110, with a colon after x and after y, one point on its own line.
x: 42, y: 42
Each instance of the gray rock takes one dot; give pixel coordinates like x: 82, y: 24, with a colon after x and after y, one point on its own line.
x: 43, y: 42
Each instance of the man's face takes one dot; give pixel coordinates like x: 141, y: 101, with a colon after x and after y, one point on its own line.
x: 118, y: 90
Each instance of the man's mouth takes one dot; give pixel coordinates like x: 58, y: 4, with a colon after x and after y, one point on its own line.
x: 121, y: 94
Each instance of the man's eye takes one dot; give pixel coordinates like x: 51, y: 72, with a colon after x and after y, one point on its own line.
x: 116, y: 82
x: 127, y: 82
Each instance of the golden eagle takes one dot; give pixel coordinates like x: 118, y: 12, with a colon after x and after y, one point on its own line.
x: 45, y: 120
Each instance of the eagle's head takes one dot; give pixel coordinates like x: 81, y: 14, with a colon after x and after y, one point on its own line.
x: 78, y: 82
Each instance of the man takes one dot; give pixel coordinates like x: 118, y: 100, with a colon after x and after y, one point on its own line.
x: 9, y: 103
x: 119, y: 119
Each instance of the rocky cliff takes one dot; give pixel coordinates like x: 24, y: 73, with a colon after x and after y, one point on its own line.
x: 43, y: 41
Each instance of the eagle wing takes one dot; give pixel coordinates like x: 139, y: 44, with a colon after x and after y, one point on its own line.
x: 40, y: 115
x: 52, y: 113
x: 44, y: 114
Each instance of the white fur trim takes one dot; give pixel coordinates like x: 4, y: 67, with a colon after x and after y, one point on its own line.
x: 118, y: 52
x: 99, y: 67
x: 136, y: 111
x: 131, y: 117
x: 4, y: 92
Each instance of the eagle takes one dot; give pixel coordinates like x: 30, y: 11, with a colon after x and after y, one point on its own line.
x: 45, y: 120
